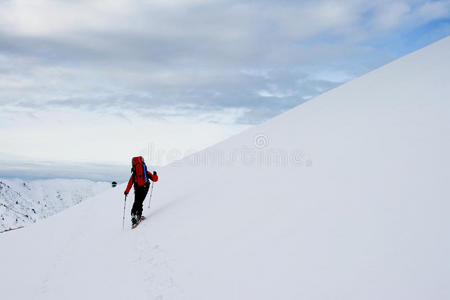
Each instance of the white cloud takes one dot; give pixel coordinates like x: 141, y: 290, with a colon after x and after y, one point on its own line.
x: 337, y: 76
x: 275, y: 92
x: 49, y: 17
x: 434, y: 10
x: 390, y: 15
x: 77, y: 136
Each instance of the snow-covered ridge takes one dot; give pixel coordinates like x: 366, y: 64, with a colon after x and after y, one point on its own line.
x: 24, y: 202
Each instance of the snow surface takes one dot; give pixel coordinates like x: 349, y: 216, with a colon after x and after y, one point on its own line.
x: 344, y: 197
x: 24, y: 202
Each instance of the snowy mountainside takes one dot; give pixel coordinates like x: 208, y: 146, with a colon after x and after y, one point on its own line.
x: 23, y: 202
x: 344, y: 197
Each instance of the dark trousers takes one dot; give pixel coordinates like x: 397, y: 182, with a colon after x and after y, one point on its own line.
x: 140, y: 193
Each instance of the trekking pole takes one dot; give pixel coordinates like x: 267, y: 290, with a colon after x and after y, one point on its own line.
x: 124, y: 207
x: 151, y: 193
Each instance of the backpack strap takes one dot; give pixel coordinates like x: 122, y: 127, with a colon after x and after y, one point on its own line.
x: 144, y: 167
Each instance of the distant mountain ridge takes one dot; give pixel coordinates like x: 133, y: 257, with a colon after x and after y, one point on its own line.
x: 25, y: 202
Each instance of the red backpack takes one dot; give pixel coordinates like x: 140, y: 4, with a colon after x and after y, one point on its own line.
x: 139, y: 171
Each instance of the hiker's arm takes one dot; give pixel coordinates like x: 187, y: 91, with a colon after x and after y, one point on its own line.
x: 153, y: 177
x: 130, y: 184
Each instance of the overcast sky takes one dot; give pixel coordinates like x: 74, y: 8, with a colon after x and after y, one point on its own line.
x: 84, y: 82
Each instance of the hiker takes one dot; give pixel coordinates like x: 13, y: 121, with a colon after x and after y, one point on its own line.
x: 140, y: 177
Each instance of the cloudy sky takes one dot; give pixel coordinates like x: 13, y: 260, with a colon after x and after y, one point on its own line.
x: 94, y: 82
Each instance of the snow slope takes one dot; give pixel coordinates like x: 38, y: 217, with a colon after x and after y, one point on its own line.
x: 343, y: 197
x: 25, y: 202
